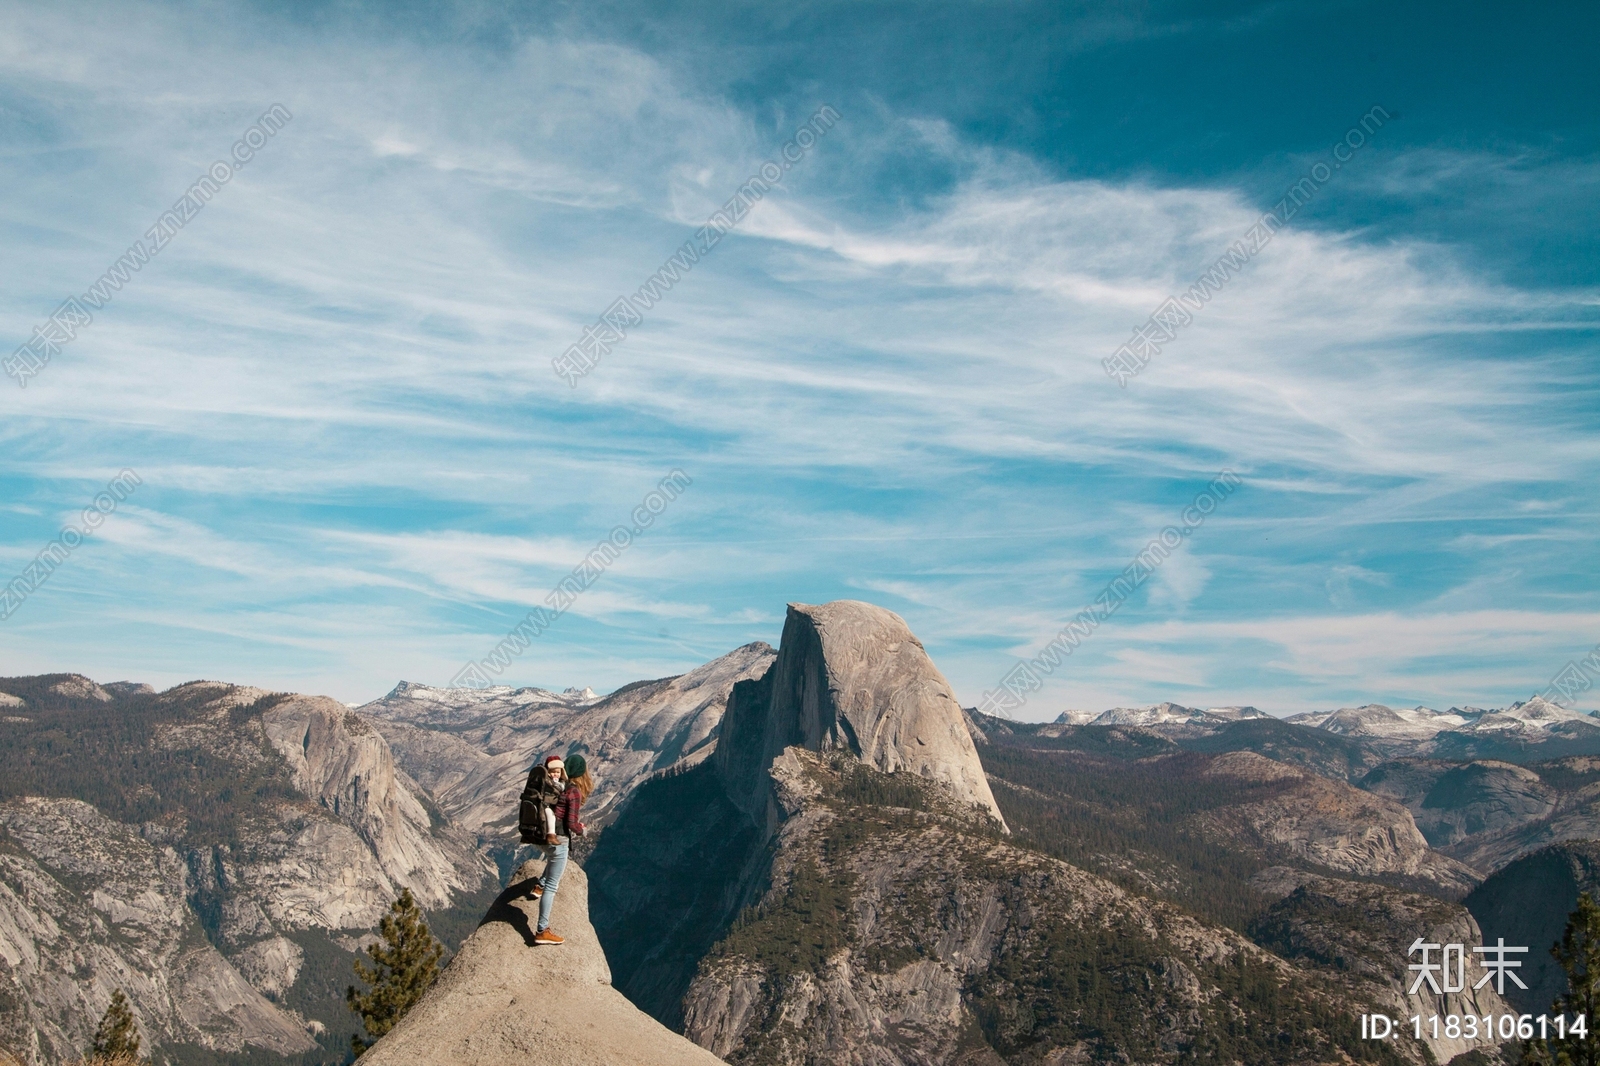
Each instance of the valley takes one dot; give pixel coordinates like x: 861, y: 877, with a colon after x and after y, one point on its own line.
x: 798, y: 854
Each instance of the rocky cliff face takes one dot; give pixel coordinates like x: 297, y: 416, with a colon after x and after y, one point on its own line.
x: 1452, y: 802
x: 232, y: 834
x: 342, y: 763
x: 87, y: 906
x: 335, y: 857
x: 503, y: 1002
x: 472, y: 749
x: 850, y: 676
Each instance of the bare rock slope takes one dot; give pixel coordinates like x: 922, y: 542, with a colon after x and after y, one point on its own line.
x: 1528, y: 902
x: 831, y: 886
x: 87, y: 907
x: 502, y: 1002
x: 1488, y: 813
x: 343, y: 764
x: 1333, y: 825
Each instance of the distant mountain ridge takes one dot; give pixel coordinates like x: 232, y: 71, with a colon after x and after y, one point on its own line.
x: 471, y: 748
x: 1158, y: 714
x: 1532, y: 728
x: 1534, y: 720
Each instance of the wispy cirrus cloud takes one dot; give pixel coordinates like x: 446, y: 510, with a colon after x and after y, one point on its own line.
x: 886, y: 383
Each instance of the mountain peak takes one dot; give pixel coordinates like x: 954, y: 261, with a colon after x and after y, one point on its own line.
x: 1158, y: 714
x: 1536, y: 712
x: 850, y: 675
x: 76, y: 686
x: 1074, y: 717
x: 1538, y: 707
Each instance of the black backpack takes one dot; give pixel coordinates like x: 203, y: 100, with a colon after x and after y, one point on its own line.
x: 540, y: 794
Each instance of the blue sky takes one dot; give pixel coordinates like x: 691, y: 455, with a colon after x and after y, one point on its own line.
x: 358, y: 465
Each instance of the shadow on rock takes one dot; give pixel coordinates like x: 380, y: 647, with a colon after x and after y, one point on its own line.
x: 515, y: 907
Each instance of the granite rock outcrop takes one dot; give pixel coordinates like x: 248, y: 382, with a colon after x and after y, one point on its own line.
x: 504, y: 1002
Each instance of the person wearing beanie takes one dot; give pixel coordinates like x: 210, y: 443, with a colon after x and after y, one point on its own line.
x: 567, y: 811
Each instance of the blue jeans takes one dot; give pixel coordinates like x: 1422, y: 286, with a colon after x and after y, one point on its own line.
x: 555, y: 862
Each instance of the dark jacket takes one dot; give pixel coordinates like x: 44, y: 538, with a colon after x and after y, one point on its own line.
x: 568, y: 809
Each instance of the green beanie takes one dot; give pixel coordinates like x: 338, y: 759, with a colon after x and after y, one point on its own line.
x: 576, y: 766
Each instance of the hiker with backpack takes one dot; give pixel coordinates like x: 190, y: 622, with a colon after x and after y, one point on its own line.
x: 551, y: 805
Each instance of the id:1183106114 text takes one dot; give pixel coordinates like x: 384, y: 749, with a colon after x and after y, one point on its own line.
x: 1456, y: 1026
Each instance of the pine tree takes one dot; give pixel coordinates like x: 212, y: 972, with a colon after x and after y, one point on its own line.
x: 404, y: 965
x: 1579, y: 955
x: 117, y: 1035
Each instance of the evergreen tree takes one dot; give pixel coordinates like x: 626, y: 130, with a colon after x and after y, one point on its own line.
x: 1579, y: 955
x: 404, y: 965
x: 117, y: 1035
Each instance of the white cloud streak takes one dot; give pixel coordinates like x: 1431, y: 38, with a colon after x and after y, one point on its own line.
x: 368, y: 320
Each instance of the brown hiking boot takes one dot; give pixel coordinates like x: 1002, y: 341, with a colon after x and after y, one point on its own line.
x: 545, y: 936
x: 537, y: 891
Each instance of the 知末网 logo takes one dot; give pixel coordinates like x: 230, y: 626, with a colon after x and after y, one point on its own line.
x: 1449, y: 974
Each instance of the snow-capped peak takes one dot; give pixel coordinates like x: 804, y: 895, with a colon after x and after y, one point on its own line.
x: 1377, y: 720
x: 1077, y: 717
x: 1532, y: 715
x: 1236, y: 714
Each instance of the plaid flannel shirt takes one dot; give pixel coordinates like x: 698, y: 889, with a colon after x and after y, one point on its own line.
x: 568, y: 808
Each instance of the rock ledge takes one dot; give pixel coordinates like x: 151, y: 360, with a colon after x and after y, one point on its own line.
x: 502, y: 1002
